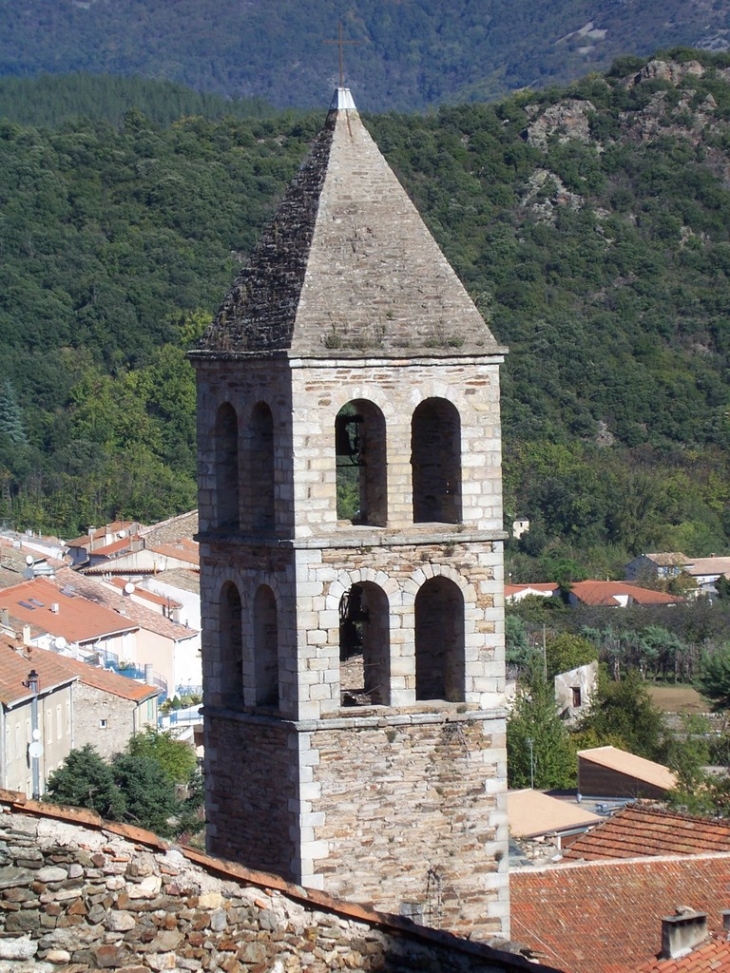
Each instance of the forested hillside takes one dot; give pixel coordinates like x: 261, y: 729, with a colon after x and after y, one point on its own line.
x: 591, y: 225
x: 407, y: 55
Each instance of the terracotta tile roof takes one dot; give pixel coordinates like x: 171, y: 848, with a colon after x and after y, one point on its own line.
x: 100, y: 532
x: 92, y: 591
x: 183, y: 550
x: 629, y: 764
x: 77, y: 620
x: 710, y: 957
x: 533, y: 813
x: 638, y: 830
x: 103, y: 679
x: 114, y: 547
x: 14, y: 669
x: 605, y: 917
x: 616, y: 592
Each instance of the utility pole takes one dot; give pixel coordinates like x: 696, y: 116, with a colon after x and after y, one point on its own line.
x: 35, y: 750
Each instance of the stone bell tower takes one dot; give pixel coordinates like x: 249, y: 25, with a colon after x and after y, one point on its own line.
x: 349, y: 458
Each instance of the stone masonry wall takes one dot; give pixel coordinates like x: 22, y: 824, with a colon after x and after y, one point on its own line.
x: 91, y: 707
x: 418, y: 819
x: 76, y: 897
x: 250, y: 776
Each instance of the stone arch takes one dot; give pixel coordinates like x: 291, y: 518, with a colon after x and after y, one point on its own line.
x: 227, y: 507
x: 361, y: 463
x: 440, y: 640
x: 266, y: 647
x: 436, y: 462
x: 230, y: 634
x: 259, y: 501
x: 364, y: 645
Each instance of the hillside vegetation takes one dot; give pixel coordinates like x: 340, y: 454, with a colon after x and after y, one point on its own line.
x: 407, y: 55
x: 591, y: 226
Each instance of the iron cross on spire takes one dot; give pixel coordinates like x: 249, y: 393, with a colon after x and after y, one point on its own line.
x: 341, y: 43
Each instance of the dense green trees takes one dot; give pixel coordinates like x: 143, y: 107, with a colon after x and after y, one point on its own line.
x: 406, y: 56
x: 539, y: 753
x: 139, y: 786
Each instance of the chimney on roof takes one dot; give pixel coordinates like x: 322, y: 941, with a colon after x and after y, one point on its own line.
x: 682, y: 932
x: 26, y: 634
x: 4, y: 617
x: 54, y: 607
x: 725, y: 916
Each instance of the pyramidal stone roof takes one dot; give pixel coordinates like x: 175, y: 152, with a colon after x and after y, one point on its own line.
x: 347, y: 268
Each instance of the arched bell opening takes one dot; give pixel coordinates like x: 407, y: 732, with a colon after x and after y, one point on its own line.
x: 365, y: 646
x: 436, y: 462
x: 440, y: 657
x: 228, y: 510
x: 266, y: 647
x: 360, y: 452
x: 260, y: 498
x: 231, y: 645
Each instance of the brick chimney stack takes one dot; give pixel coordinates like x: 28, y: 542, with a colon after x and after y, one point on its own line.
x: 682, y: 932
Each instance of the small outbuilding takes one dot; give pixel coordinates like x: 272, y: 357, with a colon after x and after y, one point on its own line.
x: 611, y: 772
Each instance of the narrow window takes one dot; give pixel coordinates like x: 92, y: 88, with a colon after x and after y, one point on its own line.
x: 231, y: 646
x: 226, y: 467
x: 440, y: 670
x: 364, y: 646
x: 266, y: 648
x: 436, y: 462
x: 360, y: 448
x: 260, y: 485
x: 576, y: 697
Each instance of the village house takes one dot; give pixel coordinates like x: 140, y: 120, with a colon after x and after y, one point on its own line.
x: 574, y: 691
x: 167, y: 650
x: 660, y: 566
x: 70, y: 703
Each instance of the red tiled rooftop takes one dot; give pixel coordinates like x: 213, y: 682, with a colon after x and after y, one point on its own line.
x: 605, y: 917
x: 77, y: 619
x: 14, y: 669
x: 710, y: 957
x: 637, y: 830
x: 94, y: 592
x: 607, y: 592
x: 183, y: 550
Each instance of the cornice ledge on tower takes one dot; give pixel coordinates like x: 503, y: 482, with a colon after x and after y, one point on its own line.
x: 442, y: 713
x: 494, y: 355
x: 409, y: 537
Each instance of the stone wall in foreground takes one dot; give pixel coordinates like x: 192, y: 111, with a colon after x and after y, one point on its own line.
x: 77, y: 894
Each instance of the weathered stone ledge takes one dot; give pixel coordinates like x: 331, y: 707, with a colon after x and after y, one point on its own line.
x: 335, y: 721
x: 350, y: 536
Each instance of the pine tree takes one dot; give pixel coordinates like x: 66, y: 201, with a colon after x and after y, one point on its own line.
x: 11, y: 416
